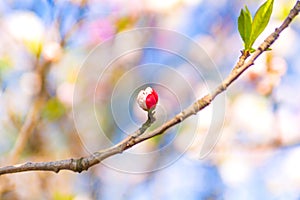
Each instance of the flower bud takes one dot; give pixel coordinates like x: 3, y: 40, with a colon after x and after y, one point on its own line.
x: 147, y: 98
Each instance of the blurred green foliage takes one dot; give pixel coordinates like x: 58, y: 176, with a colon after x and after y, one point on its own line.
x: 60, y: 196
x: 53, y: 109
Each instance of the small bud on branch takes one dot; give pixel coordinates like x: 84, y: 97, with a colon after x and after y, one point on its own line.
x: 147, y: 99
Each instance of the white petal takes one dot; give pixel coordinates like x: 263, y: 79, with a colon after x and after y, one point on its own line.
x: 141, y: 99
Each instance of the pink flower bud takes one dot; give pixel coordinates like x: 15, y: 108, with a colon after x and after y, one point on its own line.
x: 147, y: 98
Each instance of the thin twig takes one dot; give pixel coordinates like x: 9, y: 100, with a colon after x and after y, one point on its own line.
x: 27, y: 128
x: 84, y: 163
x: 33, y: 116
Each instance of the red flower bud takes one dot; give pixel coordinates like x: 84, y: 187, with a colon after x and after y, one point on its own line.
x: 147, y: 98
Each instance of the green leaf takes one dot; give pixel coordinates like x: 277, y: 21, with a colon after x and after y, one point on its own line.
x: 245, y: 25
x: 261, y: 19
x: 252, y: 50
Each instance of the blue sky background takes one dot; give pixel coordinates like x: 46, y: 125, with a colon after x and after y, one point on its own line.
x: 258, y: 154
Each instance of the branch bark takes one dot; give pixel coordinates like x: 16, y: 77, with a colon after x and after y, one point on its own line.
x: 84, y: 163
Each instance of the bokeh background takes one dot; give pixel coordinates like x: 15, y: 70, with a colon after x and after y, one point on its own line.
x: 44, y: 45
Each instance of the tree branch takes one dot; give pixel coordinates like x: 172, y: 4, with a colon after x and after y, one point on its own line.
x: 33, y: 115
x: 84, y: 163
